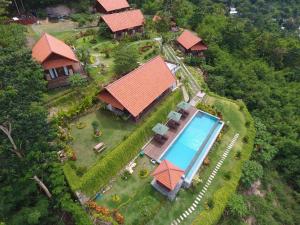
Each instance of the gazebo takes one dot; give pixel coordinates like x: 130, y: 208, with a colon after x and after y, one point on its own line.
x: 174, y: 118
x: 160, y: 131
x: 184, y: 108
x: 167, y: 179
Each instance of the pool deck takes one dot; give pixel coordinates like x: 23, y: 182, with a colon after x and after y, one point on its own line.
x: 154, y: 149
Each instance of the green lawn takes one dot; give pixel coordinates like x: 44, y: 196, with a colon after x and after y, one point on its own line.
x: 114, y: 130
x: 133, y: 191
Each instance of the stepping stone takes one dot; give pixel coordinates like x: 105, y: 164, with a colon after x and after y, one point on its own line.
x: 194, y: 205
x: 202, y: 192
x: 199, y: 199
x: 178, y: 220
x: 190, y: 210
x: 181, y: 217
x: 196, y: 202
x: 187, y: 212
x: 184, y: 215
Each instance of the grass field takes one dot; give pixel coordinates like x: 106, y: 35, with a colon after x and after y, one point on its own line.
x: 133, y: 191
x: 113, y: 129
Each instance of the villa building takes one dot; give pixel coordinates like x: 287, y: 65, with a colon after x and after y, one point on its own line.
x: 190, y: 43
x: 111, y: 6
x: 135, y: 93
x: 57, y: 59
x: 124, y: 23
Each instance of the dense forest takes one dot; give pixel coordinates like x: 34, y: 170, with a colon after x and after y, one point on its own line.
x: 33, y: 189
x: 254, y: 56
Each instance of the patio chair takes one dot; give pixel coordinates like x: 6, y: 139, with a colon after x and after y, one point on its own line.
x: 173, y: 124
x: 160, y: 139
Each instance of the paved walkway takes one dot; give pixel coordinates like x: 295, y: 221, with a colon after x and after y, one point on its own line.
x: 198, y: 198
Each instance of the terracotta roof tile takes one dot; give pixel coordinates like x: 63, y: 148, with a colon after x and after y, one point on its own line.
x: 199, y: 47
x: 188, y: 39
x: 124, y: 20
x: 138, y: 89
x: 48, y: 45
x: 168, y: 174
x: 111, y: 5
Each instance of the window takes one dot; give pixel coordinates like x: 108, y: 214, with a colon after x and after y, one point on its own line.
x: 53, y: 73
x: 66, y: 70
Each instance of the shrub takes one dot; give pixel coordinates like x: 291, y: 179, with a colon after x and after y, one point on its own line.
x: 115, y: 160
x: 125, y: 175
x: 115, y: 198
x: 143, y: 173
x: 245, y: 139
x: 238, y: 154
x: 119, y: 218
x: 237, y: 206
x: 210, y: 203
x: 80, y: 125
x: 227, y: 175
x: 81, y: 170
x: 251, y: 172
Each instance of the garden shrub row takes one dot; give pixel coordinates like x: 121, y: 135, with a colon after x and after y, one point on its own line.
x: 112, y: 163
x: 222, y: 195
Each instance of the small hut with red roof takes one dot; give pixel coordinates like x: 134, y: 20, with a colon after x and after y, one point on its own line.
x: 111, y: 6
x: 190, y: 43
x: 57, y: 59
x: 167, y: 179
x: 124, y: 23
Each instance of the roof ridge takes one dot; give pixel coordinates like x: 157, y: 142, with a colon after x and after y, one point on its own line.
x: 123, y: 12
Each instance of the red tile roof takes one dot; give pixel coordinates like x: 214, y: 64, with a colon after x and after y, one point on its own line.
x: 168, y: 174
x: 48, y: 45
x: 111, y: 5
x: 199, y: 47
x: 138, y: 89
x: 124, y: 20
x: 188, y: 39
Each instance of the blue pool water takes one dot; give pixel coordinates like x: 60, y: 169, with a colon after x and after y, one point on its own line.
x: 198, y: 135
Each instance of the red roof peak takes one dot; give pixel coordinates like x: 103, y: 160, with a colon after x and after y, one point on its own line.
x: 111, y: 5
x: 47, y: 45
x: 124, y: 20
x: 168, y: 174
x: 188, y: 39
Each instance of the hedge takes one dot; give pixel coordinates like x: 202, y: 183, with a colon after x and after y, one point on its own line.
x: 107, y: 167
x: 222, y: 195
x: 72, y: 178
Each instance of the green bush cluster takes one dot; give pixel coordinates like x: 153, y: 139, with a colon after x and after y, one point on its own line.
x: 77, y: 212
x: 76, y: 109
x: 221, y: 196
x: 113, y: 162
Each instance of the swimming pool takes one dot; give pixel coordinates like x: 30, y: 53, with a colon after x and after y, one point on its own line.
x: 192, y: 145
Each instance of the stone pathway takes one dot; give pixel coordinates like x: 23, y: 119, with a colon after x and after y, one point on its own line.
x: 198, y: 198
